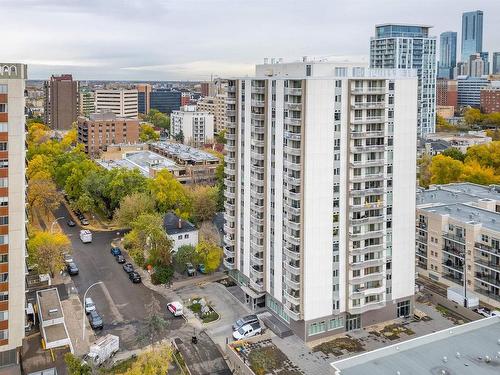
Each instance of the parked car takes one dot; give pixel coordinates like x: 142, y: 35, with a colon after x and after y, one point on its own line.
x: 70, y: 223
x: 175, y: 308
x: 128, y: 267
x: 115, y: 251
x: 68, y: 258
x: 84, y: 221
x: 190, y: 270
x: 72, y: 269
x: 201, y: 268
x: 89, y: 305
x: 248, y: 319
x: 95, y: 320
x: 247, y: 331
x: 134, y: 277
x: 120, y: 259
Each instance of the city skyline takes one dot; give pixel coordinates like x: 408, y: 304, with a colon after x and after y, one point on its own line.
x: 192, y: 39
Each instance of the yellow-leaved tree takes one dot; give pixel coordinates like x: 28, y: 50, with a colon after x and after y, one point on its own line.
x: 445, y: 170
x: 152, y: 362
x: 210, y: 254
x: 46, y: 251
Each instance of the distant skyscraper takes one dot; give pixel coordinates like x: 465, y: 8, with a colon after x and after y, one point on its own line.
x: 61, y: 102
x: 410, y: 47
x: 143, y: 98
x: 447, y: 54
x: 472, y: 33
x: 496, y: 63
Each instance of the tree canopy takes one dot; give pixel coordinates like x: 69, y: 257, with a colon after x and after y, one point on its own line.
x: 147, y: 133
x: 46, y: 251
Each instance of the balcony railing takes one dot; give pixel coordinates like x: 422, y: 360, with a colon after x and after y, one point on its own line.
x: 291, y: 298
x: 228, y: 264
x: 454, y: 237
x: 486, y: 248
x: 258, y: 287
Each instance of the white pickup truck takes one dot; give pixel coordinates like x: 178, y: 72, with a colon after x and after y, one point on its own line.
x: 102, y: 350
x: 86, y: 236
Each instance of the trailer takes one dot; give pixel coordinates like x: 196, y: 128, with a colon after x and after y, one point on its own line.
x: 456, y: 294
x: 86, y: 236
x: 103, y: 349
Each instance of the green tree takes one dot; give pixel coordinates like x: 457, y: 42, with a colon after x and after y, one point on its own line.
x: 169, y: 194
x: 84, y: 203
x: 122, y: 182
x: 159, y: 119
x: 147, y: 133
x: 454, y: 153
x: 203, y: 202
x: 185, y: 254
x: 444, y: 126
x: 445, y: 170
x: 132, y: 206
x: 76, y: 366
x: 179, y: 137
x: 424, y: 170
x: 219, y: 175
x: 46, y: 251
x: 221, y: 137
x: 209, y: 254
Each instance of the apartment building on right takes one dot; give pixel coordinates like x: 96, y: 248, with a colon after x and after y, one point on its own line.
x: 457, y: 237
x: 402, y: 46
x: 320, y: 189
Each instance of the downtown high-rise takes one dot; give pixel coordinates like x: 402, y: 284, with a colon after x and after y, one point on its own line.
x: 12, y: 211
x: 472, y: 34
x: 410, y: 47
x: 447, y: 54
x: 319, y: 193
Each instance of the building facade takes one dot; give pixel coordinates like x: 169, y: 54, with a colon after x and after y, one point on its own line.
x: 87, y: 102
x: 318, y: 186
x: 447, y: 92
x: 165, y: 100
x: 490, y: 98
x: 458, y: 238
x: 12, y: 211
x: 61, y: 102
x: 143, y: 98
x: 496, y: 63
x: 197, y: 128
x: 103, y: 129
x: 472, y: 33
x: 217, y: 107
x: 447, y: 54
x: 121, y: 102
x: 469, y: 90
x: 410, y: 47
x: 478, y: 64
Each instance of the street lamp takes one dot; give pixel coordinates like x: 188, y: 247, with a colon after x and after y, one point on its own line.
x: 54, y: 223
x: 83, y: 313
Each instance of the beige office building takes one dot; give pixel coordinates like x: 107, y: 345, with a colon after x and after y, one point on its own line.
x: 12, y: 211
x: 122, y: 102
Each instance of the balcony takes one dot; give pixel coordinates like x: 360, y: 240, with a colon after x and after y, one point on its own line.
x: 230, y: 100
x: 292, y: 194
x: 229, y: 171
x: 258, y: 89
x: 290, y: 298
x: 294, y: 166
x: 292, y: 269
x: 454, y: 237
x: 291, y: 209
x: 489, y: 294
x: 487, y: 249
x: 366, y: 307
x: 292, y: 239
x: 368, y: 120
x: 229, y: 241
x: 258, y: 129
x: 292, y: 180
x: 485, y: 262
x: 231, y: 136
x: 292, y: 136
x: 294, y: 255
x: 292, y: 225
x: 368, y: 220
x: 293, y: 91
x: 228, y: 206
x: 256, y: 181
x: 231, y: 112
x: 369, y: 90
x: 228, y: 229
x: 372, y: 191
x: 228, y: 252
x: 231, y: 88
x: 453, y: 279
x: 365, y: 235
x: 229, y: 194
x: 256, y: 286
x: 368, y: 177
x: 257, y: 103
x: 368, y: 105
x: 293, y: 121
x: 227, y: 264
x: 258, y: 116
x: 256, y: 273
x: 367, y: 134
x: 377, y: 276
x: 293, y: 106
x: 292, y: 150
x: 452, y: 266
x: 453, y: 252
x: 488, y: 280
x: 258, y: 142
x: 259, y: 261
x: 254, y: 218
x: 368, y: 263
x: 294, y: 315
x: 371, y: 148
x: 255, y: 246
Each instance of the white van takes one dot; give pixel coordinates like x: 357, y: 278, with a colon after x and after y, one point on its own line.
x: 175, y: 308
x: 86, y: 236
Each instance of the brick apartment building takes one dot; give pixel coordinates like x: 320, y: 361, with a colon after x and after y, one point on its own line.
x: 446, y: 92
x: 103, y: 129
x: 490, y: 99
x: 61, y: 102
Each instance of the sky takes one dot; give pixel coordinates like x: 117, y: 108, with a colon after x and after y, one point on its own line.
x: 197, y: 39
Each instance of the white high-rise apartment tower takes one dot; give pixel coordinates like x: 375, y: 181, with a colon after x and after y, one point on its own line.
x: 410, y: 47
x: 320, y: 186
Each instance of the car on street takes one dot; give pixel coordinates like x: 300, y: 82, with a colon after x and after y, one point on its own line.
x: 72, y: 269
x: 243, y: 321
x: 84, y: 221
x: 201, y: 268
x: 134, y: 277
x: 70, y: 223
x: 89, y: 305
x: 190, y: 270
x: 247, y: 331
x: 120, y: 259
x: 175, y: 308
x: 115, y: 251
x: 128, y: 267
x: 68, y: 258
x: 95, y: 320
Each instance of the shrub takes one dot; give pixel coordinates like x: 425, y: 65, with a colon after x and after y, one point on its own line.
x: 162, y: 275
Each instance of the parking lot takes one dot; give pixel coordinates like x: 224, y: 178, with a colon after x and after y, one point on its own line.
x: 121, y: 303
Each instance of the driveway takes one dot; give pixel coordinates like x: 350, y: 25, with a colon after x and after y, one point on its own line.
x: 121, y: 303
x: 226, y: 305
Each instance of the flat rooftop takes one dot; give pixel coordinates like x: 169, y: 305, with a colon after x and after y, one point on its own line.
x: 185, y: 152
x: 56, y: 332
x: 468, y: 214
x: 142, y: 160
x: 49, y: 304
x: 464, y: 192
x: 471, y: 348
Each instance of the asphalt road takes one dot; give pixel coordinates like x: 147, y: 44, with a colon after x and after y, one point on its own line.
x: 121, y: 303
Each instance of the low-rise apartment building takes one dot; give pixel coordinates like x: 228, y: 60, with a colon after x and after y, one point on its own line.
x: 103, y: 129
x: 196, y: 128
x: 458, y: 237
x: 215, y: 105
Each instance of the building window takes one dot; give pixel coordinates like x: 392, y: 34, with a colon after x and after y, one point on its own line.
x: 4, y: 315
x: 308, y: 70
x: 179, y: 237
x: 3, y: 107
x: 4, y: 258
x: 4, y: 239
x: 4, y: 89
x: 4, y: 277
x: 4, y: 296
x: 4, y: 163
x: 186, y: 236
x: 335, y: 323
x: 4, y: 334
x: 316, y: 328
x: 4, y: 201
x: 4, y: 127
x: 3, y: 146
x: 403, y: 308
